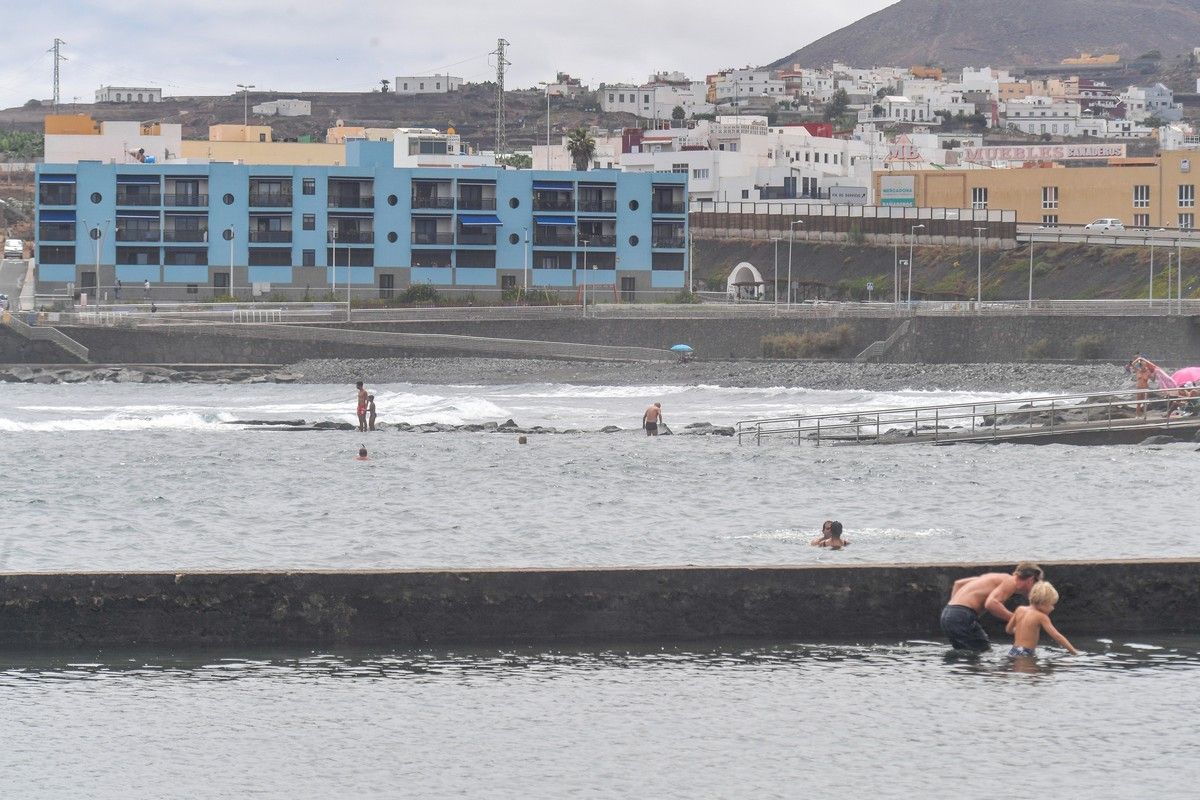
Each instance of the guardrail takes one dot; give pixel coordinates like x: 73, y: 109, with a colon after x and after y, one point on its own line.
x: 45, y: 334
x: 990, y: 420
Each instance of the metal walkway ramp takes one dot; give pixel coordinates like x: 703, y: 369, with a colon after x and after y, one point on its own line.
x: 1094, y: 418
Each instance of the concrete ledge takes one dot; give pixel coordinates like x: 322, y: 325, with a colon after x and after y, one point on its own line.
x: 414, y: 608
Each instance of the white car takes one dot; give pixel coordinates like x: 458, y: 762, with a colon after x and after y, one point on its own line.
x: 14, y: 248
x: 1105, y: 224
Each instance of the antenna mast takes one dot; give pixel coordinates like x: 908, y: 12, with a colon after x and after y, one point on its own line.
x: 58, y: 56
x: 501, y: 63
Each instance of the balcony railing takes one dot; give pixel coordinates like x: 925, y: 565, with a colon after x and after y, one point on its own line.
x: 598, y: 206
x: 668, y: 207
x: 271, y: 199
x: 353, y: 237
x: 185, y: 200
x: 477, y: 203
x: 427, y: 201
x: 270, y: 237
x: 138, y: 235
x: 669, y: 242
x: 597, y: 239
x: 477, y: 238
x: 139, y: 198
x: 553, y: 204
x: 186, y: 235
x: 554, y: 238
x: 420, y: 237
x: 351, y: 201
x: 56, y: 232
x: 57, y: 196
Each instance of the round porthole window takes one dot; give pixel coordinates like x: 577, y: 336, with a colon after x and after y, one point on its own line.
x: 514, y: 238
x: 227, y: 234
x: 633, y: 241
x: 227, y: 199
x: 633, y: 205
x: 392, y: 200
x: 392, y: 237
x: 513, y: 202
x: 96, y: 198
x: 95, y: 233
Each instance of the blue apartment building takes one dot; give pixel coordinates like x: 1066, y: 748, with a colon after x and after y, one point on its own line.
x: 196, y: 230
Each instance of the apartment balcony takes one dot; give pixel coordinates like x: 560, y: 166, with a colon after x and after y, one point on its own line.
x: 553, y: 204
x: 138, y: 198
x: 477, y: 238
x: 270, y: 237
x: 598, y: 206
x: 186, y: 235
x: 598, y: 239
x: 354, y: 201
x: 352, y: 237
x: 554, y: 238
x: 185, y: 200
x: 428, y: 201
x: 271, y: 199
x: 420, y: 237
x: 138, y: 235
x: 477, y: 204
x: 669, y: 242
x: 56, y: 232
x: 57, y: 195
x: 668, y: 207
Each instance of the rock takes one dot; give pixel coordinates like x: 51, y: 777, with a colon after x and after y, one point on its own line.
x: 21, y: 374
x: 256, y: 379
x: 1160, y: 439
x: 73, y: 376
x: 155, y: 379
x: 283, y: 377
x: 723, y: 431
x: 611, y: 429
x: 334, y: 426
x: 127, y: 375
x: 509, y: 423
x: 471, y: 428
x: 490, y: 426
x: 45, y: 377
x: 292, y: 422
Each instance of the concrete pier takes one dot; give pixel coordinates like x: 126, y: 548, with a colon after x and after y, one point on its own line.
x: 445, y: 607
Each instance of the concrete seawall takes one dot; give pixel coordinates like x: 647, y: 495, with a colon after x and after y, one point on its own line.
x: 416, y: 608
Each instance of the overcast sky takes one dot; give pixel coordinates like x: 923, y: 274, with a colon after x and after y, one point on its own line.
x: 209, y: 46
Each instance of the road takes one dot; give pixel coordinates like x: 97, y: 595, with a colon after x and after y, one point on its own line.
x: 1129, y: 237
x: 12, y: 278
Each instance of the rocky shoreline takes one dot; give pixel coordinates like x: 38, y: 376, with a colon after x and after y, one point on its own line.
x: 143, y: 374
x: 508, y: 426
x: 1016, y: 377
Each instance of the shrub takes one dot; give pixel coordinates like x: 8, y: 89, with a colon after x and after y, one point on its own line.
x: 1089, y: 347
x: 419, y: 293
x: 807, y: 345
x: 1038, y: 350
x: 684, y: 297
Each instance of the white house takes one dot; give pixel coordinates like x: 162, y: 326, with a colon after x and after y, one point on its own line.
x: 117, y: 143
x: 128, y: 94
x: 426, y: 84
x: 1043, y: 115
x: 429, y: 147
x: 1104, y: 128
x: 284, y: 108
x: 657, y: 98
x: 1142, y: 102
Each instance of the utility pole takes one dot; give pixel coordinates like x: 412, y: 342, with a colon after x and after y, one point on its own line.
x: 245, y: 87
x: 501, y: 63
x: 58, y: 56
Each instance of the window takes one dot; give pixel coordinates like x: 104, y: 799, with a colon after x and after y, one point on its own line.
x: 308, y: 186
x: 309, y: 222
x: 1187, y: 195
x: 700, y: 174
x: 1049, y: 197
x: 193, y: 288
x: 745, y: 194
x: 979, y: 197
x: 1141, y: 220
x: 679, y: 168
x: 1187, y: 221
x: 1050, y: 220
x: 308, y: 258
x: 1141, y: 196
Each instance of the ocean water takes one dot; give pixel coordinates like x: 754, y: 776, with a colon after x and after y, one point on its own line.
x: 150, y: 477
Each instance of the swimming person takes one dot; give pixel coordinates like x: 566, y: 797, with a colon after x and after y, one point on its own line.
x: 970, y: 597
x: 1029, y: 621
x: 362, y: 406
x: 824, y: 533
x: 371, y: 412
x: 362, y: 453
x: 652, y: 418
x: 834, y: 541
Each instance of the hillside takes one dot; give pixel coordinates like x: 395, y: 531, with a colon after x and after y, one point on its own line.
x: 957, y: 33
x: 471, y: 111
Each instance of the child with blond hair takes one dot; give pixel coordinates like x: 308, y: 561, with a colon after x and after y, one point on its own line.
x: 1029, y: 621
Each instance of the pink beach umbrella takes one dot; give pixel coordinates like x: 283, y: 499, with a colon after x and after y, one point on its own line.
x: 1185, y: 375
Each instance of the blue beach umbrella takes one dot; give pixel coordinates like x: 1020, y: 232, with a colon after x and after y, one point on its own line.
x: 681, y: 348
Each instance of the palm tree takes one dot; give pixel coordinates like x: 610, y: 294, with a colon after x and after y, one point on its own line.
x: 582, y: 147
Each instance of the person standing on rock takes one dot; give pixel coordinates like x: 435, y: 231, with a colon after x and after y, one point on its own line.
x: 970, y: 597
x: 652, y: 418
x: 362, y: 406
x: 117, y: 291
x: 146, y: 288
x: 371, y: 412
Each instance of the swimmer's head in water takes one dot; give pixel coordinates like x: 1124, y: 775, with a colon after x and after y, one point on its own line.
x: 358, y: 385
x: 658, y: 405
x: 835, y: 529
x: 371, y: 397
x: 362, y: 452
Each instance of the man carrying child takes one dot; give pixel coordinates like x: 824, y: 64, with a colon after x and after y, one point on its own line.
x: 970, y: 597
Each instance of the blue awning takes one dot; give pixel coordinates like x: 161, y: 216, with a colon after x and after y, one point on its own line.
x: 554, y: 220
x: 57, y: 178
x: 478, y: 219
x: 553, y: 186
x: 138, y: 179
x: 49, y: 215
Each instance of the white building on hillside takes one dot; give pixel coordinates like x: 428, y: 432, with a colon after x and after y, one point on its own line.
x: 426, y: 84
x: 1104, y: 128
x: 1042, y: 115
x: 1142, y: 102
x: 429, y: 147
x: 128, y: 94
x: 284, y: 108
x: 658, y: 98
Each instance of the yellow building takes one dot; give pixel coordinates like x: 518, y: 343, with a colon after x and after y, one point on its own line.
x: 1087, y: 59
x: 318, y: 153
x: 1155, y: 192
x: 339, y: 133
x: 228, y: 132
x: 934, y: 73
x: 71, y: 125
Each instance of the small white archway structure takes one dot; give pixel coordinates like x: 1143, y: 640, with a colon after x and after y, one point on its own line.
x: 745, y: 282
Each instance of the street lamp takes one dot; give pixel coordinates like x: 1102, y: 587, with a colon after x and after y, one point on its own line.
x: 245, y: 87
x: 232, y: 235
x: 333, y: 266
x: 1031, y: 270
x: 97, y: 234
x: 775, y: 239
x: 525, y: 271
x: 1178, y: 275
x: 791, y: 239
x: 911, y: 237
x: 1150, y: 293
x: 547, y: 85
x: 979, y: 270
x: 584, y: 242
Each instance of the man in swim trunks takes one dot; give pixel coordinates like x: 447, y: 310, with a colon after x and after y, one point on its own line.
x: 970, y: 597
x: 362, y: 406
x: 652, y: 418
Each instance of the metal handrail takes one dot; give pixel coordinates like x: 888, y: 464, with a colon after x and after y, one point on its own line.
x: 936, y: 417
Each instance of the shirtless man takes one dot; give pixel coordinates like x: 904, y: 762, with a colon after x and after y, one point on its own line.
x: 362, y: 406
x: 652, y: 418
x: 970, y: 597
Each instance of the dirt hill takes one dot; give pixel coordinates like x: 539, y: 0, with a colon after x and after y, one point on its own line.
x: 957, y: 33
